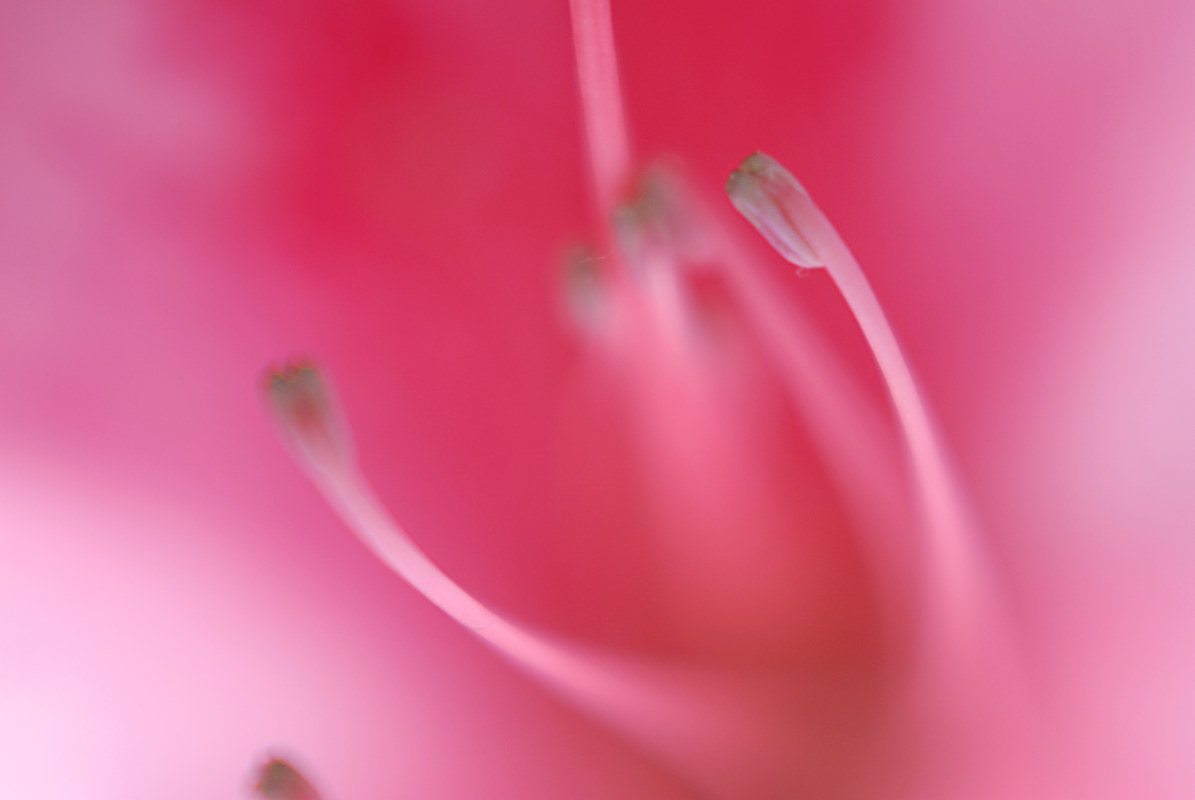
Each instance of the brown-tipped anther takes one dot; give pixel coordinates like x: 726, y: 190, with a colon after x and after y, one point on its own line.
x: 280, y: 781
x: 302, y: 402
x: 659, y: 222
x: 777, y: 205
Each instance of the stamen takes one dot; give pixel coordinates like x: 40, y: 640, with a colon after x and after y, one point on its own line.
x: 601, y: 99
x: 772, y: 200
x: 304, y: 406
x: 703, y: 729
x: 280, y: 781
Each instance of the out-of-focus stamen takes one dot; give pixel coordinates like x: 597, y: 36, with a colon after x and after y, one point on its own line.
x: 307, y: 412
x: 305, y: 406
x: 700, y: 728
x: 280, y: 781
x: 586, y: 295
x: 653, y: 235
x: 601, y: 99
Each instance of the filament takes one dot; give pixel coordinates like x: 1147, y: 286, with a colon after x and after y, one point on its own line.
x: 601, y: 100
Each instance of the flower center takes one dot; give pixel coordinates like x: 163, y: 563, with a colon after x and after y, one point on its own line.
x: 730, y: 735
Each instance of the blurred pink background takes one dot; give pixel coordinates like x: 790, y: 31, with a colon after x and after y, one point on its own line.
x: 192, y: 190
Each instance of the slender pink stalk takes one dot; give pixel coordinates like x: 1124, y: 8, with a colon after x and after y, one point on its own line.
x: 844, y: 427
x: 601, y: 99
x: 702, y: 728
x: 962, y: 601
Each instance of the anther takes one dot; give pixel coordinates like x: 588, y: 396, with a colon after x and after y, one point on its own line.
x: 659, y: 220
x: 305, y: 408
x: 777, y: 205
x: 586, y: 293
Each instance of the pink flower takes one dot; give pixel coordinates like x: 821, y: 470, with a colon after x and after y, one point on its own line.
x: 190, y: 192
